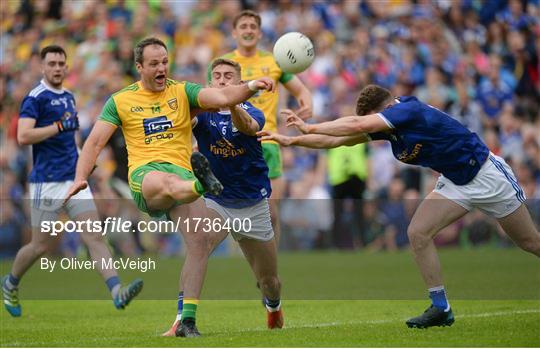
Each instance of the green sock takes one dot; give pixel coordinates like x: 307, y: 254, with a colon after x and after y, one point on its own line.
x: 190, y: 309
x: 198, y: 187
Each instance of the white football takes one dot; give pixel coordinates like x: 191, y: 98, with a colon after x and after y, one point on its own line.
x: 294, y: 52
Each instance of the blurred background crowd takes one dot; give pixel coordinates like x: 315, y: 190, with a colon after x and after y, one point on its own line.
x: 477, y: 60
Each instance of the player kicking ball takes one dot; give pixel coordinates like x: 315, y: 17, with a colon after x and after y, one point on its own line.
x: 227, y: 138
x: 48, y: 121
x: 471, y: 177
x: 165, y: 179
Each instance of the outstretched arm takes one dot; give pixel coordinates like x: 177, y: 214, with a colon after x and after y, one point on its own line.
x: 343, y: 126
x: 314, y: 141
x: 216, y: 98
x: 98, y: 138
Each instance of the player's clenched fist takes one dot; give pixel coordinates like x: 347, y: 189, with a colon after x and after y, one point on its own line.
x: 263, y: 83
x: 70, y: 123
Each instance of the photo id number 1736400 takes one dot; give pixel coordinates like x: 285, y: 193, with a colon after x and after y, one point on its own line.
x: 233, y: 225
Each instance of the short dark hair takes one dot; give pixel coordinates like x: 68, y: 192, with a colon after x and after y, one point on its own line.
x: 372, y: 98
x: 52, y: 49
x: 247, y: 13
x: 225, y: 61
x: 139, y: 48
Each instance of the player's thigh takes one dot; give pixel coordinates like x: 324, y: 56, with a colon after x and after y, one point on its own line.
x: 90, y: 231
x: 278, y: 188
x: 82, y: 206
x: 186, y: 214
x: 82, y: 209
x: 44, y: 225
x: 217, y: 234
x: 520, y: 226
x: 195, y: 228
x: 434, y: 213
x: 261, y: 256
x: 155, y: 191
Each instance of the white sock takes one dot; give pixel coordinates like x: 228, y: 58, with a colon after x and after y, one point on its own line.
x: 273, y: 310
x: 9, y: 285
x: 115, y: 290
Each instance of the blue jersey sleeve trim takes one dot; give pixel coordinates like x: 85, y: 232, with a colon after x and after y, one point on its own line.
x: 255, y: 114
x: 261, y: 121
x: 386, y: 120
x: 27, y: 116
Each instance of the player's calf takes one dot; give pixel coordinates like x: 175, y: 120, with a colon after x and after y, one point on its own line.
x: 530, y: 244
x: 270, y: 286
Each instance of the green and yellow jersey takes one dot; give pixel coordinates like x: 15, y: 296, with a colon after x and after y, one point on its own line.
x: 255, y: 67
x: 156, y: 126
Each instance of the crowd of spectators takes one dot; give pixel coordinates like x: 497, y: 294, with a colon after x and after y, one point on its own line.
x: 477, y: 60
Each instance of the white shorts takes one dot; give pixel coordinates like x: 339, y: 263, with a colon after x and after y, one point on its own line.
x: 494, y: 190
x: 257, y: 215
x: 46, y: 201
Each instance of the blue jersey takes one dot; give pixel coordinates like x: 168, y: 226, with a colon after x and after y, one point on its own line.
x: 55, y: 158
x: 423, y: 135
x: 235, y: 158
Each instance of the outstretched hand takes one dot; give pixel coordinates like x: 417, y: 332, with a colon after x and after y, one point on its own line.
x: 304, y: 112
x: 76, y: 187
x: 294, y: 120
x: 276, y: 137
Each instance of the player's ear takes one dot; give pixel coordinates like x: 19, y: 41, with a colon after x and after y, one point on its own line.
x: 234, y: 33
x: 138, y: 66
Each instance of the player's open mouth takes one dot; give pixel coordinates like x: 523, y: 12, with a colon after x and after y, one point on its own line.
x: 248, y: 37
x: 160, y: 79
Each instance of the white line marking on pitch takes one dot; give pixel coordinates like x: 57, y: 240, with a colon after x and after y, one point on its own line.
x: 327, y: 324
x: 375, y: 322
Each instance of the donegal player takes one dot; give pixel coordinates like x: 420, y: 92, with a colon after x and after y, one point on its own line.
x: 257, y: 63
x: 155, y: 116
x: 471, y: 177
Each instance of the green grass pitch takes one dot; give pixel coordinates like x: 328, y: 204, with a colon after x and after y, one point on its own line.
x: 330, y: 300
